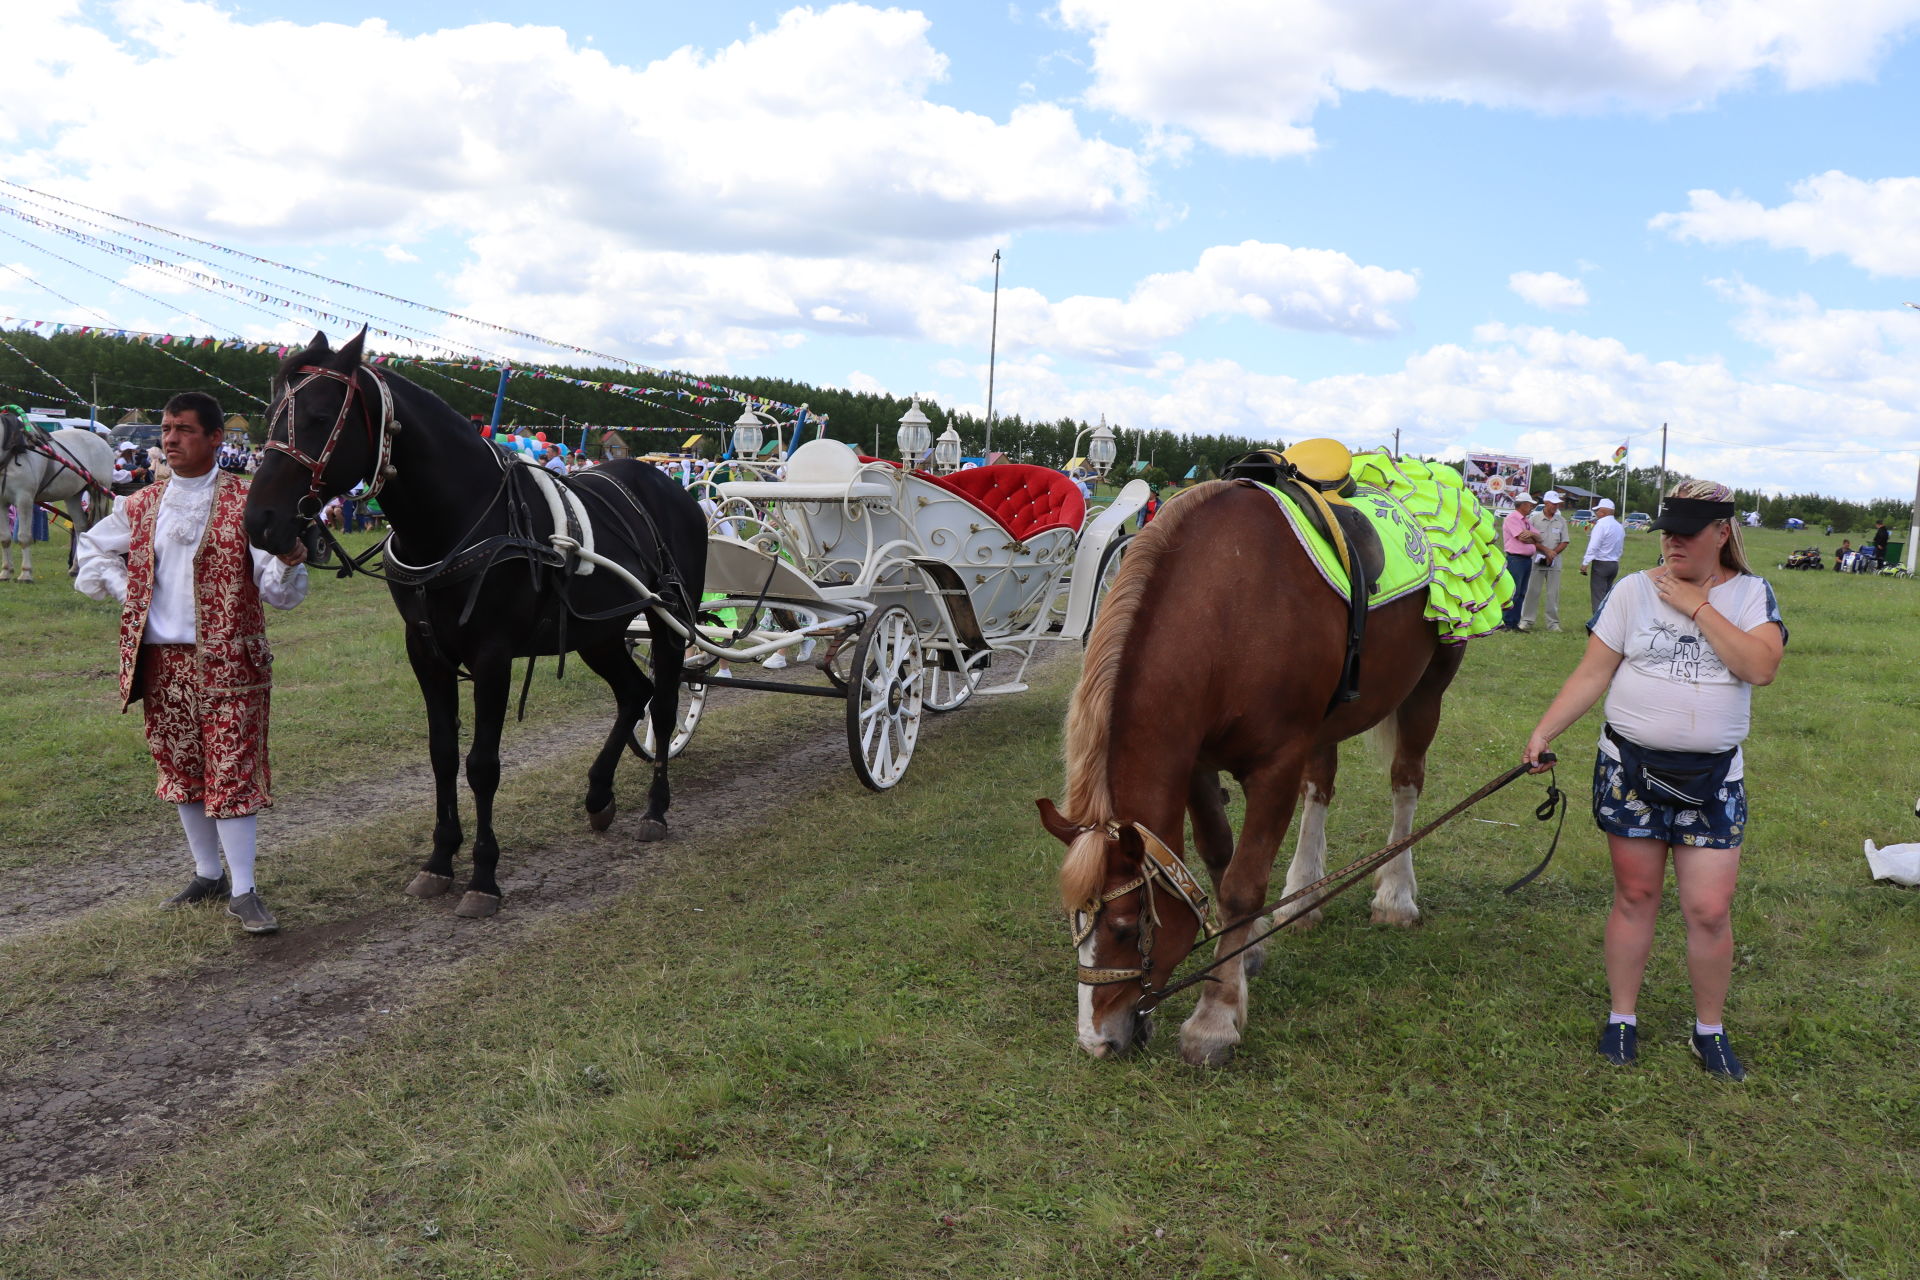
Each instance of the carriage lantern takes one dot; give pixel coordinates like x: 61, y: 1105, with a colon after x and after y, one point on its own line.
x: 1101, y: 450
x: 914, y: 435
x: 946, y: 452
x: 747, y: 435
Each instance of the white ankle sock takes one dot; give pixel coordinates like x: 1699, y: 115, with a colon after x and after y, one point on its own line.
x: 1705, y: 1029
x: 1627, y: 1018
x: 202, y: 839
x: 236, y: 841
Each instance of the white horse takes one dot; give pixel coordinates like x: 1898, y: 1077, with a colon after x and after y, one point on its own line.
x: 28, y: 477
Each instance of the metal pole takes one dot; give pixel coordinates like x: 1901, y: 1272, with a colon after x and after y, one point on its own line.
x: 499, y: 397
x: 1661, y: 496
x: 993, y: 348
x: 1913, y: 525
x: 1396, y: 444
x: 93, y: 405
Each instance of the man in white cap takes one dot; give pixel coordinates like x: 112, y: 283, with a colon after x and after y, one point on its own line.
x: 1543, y: 587
x: 1604, y: 545
x: 1519, y: 541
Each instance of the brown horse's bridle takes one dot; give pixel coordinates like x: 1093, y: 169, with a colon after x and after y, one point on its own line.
x: 379, y: 438
x: 1161, y: 866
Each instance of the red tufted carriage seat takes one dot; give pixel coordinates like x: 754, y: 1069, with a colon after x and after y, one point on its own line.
x: 1023, y: 499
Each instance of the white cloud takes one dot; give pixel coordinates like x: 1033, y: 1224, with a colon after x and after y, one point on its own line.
x: 817, y: 135
x: 654, y: 302
x: 1874, y: 225
x: 1548, y: 290
x: 394, y: 253
x: 1248, y: 76
x: 1557, y: 395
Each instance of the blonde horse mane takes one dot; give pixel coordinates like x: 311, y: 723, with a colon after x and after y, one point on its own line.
x: 1090, y: 715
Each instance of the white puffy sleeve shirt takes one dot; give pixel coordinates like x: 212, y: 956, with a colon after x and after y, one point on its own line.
x: 102, y: 551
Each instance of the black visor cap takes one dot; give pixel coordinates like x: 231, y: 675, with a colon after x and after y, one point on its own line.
x: 1688, y: 516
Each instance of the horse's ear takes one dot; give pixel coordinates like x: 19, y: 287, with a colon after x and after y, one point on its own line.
x: 1056, y: 824
x: 349, y: 357
x: 316, y: 349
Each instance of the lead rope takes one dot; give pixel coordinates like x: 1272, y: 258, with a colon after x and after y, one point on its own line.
x: 1345, y: 879
x: 1556, y: 800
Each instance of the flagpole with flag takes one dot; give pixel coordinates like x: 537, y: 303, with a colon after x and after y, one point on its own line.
x: 1620, y: 456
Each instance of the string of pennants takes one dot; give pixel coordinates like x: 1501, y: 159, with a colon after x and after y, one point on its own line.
x: 696, y: 391
x: 612, y: 388
x: 716, y: 391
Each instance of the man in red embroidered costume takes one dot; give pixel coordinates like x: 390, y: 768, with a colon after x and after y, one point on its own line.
x: 193, y: 646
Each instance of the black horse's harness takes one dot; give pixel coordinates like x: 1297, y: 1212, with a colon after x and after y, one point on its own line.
x: 552, y: 561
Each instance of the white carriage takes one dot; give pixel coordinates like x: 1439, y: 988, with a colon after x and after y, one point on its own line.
x: 901, y: 587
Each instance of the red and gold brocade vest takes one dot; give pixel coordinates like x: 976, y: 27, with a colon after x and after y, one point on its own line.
x: 229, y: 626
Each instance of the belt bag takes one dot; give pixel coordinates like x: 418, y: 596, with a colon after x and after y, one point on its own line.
x: 1677, y: 779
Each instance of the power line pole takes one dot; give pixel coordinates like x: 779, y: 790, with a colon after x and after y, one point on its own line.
x: 1913, y: 522
x: 993, y: 348
x: 1660, y: 495
x: 1396, y: 444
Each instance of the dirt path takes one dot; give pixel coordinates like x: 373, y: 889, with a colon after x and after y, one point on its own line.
x: 33, y: 899
x: 118, y: 1086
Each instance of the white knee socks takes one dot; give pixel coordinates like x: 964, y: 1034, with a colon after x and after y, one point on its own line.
x: 202, y: 838
x: 236, y: 841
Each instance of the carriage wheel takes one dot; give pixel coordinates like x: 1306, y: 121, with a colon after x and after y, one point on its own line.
x: 885, y: 698
x: 693, y: 702
x: 946, y: 690
x: 1109, y: 570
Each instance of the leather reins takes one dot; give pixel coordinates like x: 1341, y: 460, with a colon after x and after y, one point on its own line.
x: 1162, y: 864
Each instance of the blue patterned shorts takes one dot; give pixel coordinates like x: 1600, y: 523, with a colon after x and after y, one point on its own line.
x: 1618, y: 810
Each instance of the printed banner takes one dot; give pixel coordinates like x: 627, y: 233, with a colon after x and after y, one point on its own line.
x: 1495, y: 478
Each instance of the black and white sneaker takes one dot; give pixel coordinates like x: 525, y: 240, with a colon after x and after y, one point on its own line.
x: 252, y: 913
x: 198, y: 890
x: 1620, y: 1043
x: 1717, y: 1057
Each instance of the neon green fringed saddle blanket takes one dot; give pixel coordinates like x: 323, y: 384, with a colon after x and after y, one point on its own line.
x: 1434, y: 535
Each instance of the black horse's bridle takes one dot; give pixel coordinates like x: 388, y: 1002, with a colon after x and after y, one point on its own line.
x: 379, y: 436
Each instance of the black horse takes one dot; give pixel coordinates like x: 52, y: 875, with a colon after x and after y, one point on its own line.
x: 475, y: 572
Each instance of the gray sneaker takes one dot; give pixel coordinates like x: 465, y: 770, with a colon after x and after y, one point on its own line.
x: 252, y: 913
x: 198, y: 890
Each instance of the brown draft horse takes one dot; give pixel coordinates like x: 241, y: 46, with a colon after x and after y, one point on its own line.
x: 1218, y: 649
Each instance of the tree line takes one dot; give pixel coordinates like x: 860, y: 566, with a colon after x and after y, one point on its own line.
x: 136, y: 376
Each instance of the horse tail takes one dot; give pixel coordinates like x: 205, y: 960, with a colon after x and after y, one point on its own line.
x: 1089, y: 793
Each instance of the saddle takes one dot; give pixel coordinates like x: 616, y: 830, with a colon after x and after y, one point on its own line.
x: 1318, y: 475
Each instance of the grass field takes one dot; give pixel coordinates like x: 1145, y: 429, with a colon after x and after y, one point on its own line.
x: 842, y: 1045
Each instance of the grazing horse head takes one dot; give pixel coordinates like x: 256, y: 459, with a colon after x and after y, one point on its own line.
x: 1135, y: 913
x: 327, y: 429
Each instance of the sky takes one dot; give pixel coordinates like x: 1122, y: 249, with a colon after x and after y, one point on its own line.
x: 1535, y: 227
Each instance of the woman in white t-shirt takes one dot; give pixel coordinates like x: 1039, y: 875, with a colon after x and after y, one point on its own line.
x: 1676, y: 651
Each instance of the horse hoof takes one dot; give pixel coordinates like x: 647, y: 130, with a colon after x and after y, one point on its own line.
x: 651, y: 829
x: 475, y: 905
x: 1207, y: 1052
x: 429, y: 885
x: 1398, y: 917
x: 1254, y: 961
x: 601, y: 819
x: 1306, y: 922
